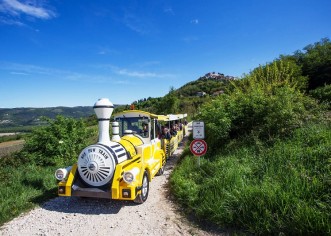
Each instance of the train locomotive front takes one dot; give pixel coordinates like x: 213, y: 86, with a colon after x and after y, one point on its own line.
x: 118, y: 168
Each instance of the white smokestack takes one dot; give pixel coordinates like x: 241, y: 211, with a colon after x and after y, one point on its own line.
x: 103, y: 108
x: 116, y: 132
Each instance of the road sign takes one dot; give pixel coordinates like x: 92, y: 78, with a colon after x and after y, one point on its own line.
x: 198, y: 129
x: 198, y: 147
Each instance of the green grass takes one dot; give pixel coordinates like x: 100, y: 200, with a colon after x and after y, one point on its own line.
x: 285, y: 188
x: 23, y: 187
x: 11, y: 137
x: 15, y: 129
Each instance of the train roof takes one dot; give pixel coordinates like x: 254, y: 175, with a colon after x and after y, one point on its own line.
x: 135, y: 113
x: 176, y: 116
x: 139, y: 113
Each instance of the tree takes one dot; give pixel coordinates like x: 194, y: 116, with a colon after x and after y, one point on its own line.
x: 315, y: 61
x: 169, y: 104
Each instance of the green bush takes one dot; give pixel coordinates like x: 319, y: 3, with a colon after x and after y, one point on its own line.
x: 267, y: 104
x: 323, y: 95
x: 58, y: 143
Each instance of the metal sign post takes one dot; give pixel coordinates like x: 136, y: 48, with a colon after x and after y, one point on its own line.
x: 198, y: 148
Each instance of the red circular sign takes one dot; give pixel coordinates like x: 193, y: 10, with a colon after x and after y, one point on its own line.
x: 198, y: 147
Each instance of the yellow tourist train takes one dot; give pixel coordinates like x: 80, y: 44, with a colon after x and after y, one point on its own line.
x: 122, y: 166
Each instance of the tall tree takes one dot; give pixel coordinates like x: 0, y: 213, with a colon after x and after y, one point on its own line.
x: 315, y: 61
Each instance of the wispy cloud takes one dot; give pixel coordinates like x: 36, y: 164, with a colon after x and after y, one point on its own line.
x: 14, y: 10
x: 169, y: 10
x: 147, y: 63
x: 194, y: 21
x: 190, y: 39
x: 33, y: 72
x: 26, y: 68
x: 124, y: 82
x: 136, y: 73
x: 115, y: 76
x: 107, y: 51
x: 126, y: 72
x: 136, y: 23
x: 18, y: 73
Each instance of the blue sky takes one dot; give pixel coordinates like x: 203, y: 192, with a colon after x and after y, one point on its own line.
x: 70, y: 52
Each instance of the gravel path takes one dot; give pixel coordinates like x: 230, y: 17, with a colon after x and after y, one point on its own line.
x: 76, y: 216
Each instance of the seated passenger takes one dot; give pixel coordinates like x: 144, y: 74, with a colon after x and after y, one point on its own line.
x: 144, y: 131
x: 173, y: 131
x: 165, y: 134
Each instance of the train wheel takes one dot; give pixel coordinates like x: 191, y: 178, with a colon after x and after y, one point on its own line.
x: 142, y: 197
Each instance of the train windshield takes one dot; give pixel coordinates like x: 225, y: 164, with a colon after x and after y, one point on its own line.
x: 138, y: 125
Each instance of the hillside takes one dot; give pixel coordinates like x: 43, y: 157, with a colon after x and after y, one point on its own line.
x: 188, y: 98
x: 210, y: 84
x: 16, y: 117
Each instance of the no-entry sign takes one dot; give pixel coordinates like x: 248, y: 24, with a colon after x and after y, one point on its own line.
x: 198, y: 147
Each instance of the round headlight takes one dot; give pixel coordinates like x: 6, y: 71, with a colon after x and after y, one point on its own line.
x: 128, y: 177
x: 60, y: 174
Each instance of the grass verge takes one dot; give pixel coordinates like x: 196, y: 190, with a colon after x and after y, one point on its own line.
x: 283, y: 189
x: 23, y: 186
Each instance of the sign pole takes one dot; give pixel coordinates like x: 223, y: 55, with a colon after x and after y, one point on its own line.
x: 198, y: 146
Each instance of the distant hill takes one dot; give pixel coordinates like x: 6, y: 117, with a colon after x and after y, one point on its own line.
x: 189, y: 97
x: 210, y: 84
x: 14, y: 117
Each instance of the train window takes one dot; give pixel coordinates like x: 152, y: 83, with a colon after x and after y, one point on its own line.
x: 136, y: 124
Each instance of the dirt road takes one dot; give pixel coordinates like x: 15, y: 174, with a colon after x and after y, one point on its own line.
x: 76, y: 216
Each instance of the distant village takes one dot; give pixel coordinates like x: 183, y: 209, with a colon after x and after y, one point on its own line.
x: 214, y: 76
x: 217, y: 76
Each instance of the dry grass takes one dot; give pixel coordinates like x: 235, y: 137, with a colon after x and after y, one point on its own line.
x: 8, y: 148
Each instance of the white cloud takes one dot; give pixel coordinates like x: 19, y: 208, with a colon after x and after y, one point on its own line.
x: 39, y: 71
x: 142, y: 74
x: 147, y: 63
x: 14, y: 10
x: 15, y: 7
x: 195, y: 21
x: 136, y: 73
x: 169, y: 10
x: 190, y: 39
x: 125, y: 82
x: 135, y: 23
x: 18, y: 73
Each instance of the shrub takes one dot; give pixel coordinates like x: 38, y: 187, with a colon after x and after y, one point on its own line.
x: 57, y: 143
x: 322, y: 94
x: 267, y: 104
